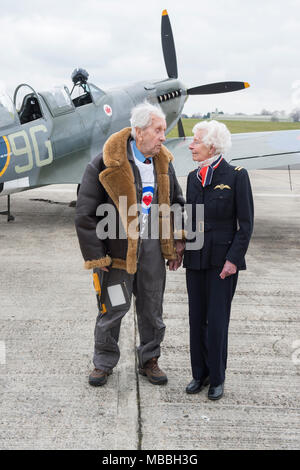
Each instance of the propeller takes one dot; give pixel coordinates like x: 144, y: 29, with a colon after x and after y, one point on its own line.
x: 169, y: 53
x: 220, y: 87
x: 168, y: 46
x: 180, y: 128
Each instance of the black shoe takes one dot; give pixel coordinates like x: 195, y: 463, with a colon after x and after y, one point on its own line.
x: 215, y: 393
x: 196, y: 385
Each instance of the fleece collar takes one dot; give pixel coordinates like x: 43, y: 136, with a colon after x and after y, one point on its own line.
x: 115, y: 151
x: 118, y: 180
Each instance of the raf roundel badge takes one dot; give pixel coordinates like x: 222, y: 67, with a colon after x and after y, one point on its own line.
x: 107, y: 109
x: 4, y: 154
x: 147, y: 199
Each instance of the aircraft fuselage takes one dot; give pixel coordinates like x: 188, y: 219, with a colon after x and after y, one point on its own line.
x: 57, y: 144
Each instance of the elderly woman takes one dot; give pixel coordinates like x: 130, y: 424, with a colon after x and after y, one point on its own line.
x: 212, y: 271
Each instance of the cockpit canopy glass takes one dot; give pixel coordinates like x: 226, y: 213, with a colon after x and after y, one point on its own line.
x: 86, y: 93
x: 58, y: 100
x: 7, y: 112
x: 96, y: 93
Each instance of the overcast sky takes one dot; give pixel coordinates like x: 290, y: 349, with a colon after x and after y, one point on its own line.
x: 119, y: 42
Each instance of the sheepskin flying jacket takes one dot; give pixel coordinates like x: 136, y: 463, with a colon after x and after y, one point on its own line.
x: 108, y: 177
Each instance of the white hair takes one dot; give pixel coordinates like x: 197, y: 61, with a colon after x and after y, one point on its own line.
x: 141, y: 116
x: 217, y: 134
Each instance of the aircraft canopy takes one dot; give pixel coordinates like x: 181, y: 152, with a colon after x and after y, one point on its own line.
x: 8, y: 115
x: 96, y: 92
x: 58, y: 100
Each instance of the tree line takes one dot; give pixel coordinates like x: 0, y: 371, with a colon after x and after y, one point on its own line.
x: 275, y: 115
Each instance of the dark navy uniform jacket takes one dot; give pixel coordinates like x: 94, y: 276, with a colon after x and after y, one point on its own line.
x: 228, y: 217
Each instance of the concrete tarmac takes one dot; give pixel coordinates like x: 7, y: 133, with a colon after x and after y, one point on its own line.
x: 48, y: 311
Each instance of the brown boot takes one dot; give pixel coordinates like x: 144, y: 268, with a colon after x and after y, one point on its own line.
x: 98, y: 377
x: 155, y: 375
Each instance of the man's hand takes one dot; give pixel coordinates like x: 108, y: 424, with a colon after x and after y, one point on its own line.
x: 228, y: 269
x: 174, y: 264
x: 180, y: 246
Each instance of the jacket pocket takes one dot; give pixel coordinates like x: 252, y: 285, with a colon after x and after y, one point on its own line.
x: 221, y: 205
x: 220, y: 246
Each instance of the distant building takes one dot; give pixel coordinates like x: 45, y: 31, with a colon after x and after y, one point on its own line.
x: 250, y: 117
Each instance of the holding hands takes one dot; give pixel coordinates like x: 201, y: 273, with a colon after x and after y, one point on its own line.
x: 174, y: 264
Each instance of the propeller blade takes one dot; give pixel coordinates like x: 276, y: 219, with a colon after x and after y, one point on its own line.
x: 180, y: 128
x: 168, y: 46
x: 220, y: 87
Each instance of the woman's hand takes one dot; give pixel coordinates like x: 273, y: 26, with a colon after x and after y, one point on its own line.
x: 228, y: 269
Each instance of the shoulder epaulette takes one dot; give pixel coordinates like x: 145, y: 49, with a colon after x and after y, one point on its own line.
x: 238, y: 168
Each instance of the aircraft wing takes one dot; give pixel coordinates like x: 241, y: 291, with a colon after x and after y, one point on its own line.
x: 252, y: 150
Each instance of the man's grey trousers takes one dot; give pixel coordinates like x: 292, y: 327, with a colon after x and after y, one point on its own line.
x: 147, y: 285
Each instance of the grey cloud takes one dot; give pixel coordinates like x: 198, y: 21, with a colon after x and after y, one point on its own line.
x: 119, y: 42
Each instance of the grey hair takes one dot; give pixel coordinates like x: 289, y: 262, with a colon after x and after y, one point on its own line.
x: 141, y: 116
x: 217, y: 134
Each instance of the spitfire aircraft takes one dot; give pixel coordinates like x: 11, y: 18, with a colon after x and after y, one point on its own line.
x: 48, y: 137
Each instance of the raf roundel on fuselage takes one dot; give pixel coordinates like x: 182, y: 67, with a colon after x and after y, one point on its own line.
x: 4, y: 154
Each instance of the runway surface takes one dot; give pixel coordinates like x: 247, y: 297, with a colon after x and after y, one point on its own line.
x: 48, y: 311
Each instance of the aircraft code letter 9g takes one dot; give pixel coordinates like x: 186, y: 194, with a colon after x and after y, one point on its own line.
x: 26, y: 149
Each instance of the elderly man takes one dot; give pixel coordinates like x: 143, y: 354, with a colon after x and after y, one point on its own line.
x: 134, y: 165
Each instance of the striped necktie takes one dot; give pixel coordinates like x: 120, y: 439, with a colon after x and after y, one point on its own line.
x: 205, y: 174
x: 147, y: 161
